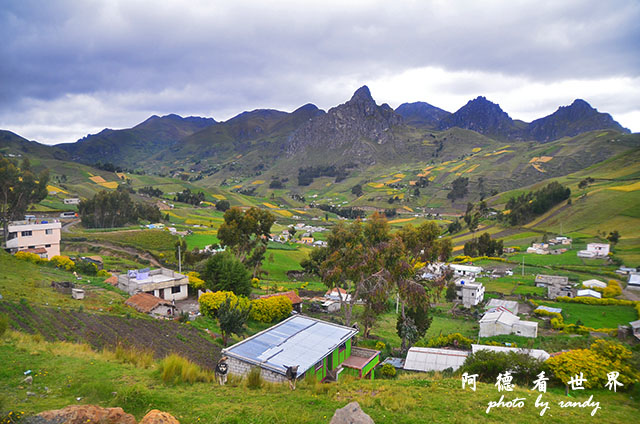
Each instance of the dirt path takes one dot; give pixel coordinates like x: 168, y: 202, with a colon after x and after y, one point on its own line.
x: 631, y: 294
x: 122, y: 249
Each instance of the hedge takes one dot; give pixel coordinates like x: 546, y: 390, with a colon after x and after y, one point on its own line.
x: 270, y: 309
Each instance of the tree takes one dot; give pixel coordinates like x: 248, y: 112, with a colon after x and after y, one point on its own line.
x: 454, y: 227
x: 458, y: 188
x: 224, y: 272
x: 115, y: 209
x: 246, y: 234
x: 356, y: 190
x: 231, y: 318
x: 413, y: 324
x: 313, y: 263
x: 614, y: 236
x: 223, y: 205
x: 19, y: 187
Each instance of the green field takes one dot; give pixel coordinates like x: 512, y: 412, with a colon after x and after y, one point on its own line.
x: 595, y: 316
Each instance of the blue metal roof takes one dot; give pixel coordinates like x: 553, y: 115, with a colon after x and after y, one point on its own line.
x: 298, y: 340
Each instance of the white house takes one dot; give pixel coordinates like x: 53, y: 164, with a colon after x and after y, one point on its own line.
x: 337, y: 294
x: 466, y: 270
x: 504, y: 322
x: 594, y: 283
x: 634, y: 281
x: 588, y: 293
x: 470, y: 294
x: 72, y: 201
x: 163, y: 283
x: 595, y: 250
x: 34, y: 237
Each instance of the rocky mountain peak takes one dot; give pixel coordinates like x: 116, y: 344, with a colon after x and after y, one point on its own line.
x: 483, y: 116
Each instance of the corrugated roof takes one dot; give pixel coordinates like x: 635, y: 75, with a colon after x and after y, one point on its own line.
x: 145, y: 302
x: 594, y: 283
x: 431, y: 359
x: 293, y: 296
x: 536, y: 353
x: 511, y: 305
x: 550, y: 309
x: 299, y: 340
x: 504, y: 317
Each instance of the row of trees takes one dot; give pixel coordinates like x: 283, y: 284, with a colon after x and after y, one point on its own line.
x: 115, y: 209
x: 483, y: 246
x: 522, y: 209
x: 371, y: 264
x: 307, y: 174
x: 187, y: 196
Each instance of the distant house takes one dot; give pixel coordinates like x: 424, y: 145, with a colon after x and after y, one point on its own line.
x: 595, y: 250
x: 72, y: 201
x: 634, y: 281
x: 635, y: 328
x: 293, y: 296
x: 470, y: 294
x: 588, y: 293
x: 113, y: 280
x: 539, y: 248
x: 504, y: 322
x: 593, y: 284
x: 466, y: 270
x: 338, y: 293
x: 26, y: 236
x: 556, y: 285
x: 560, y: 240
x: 431, y: 359
x: 162, y: 283
x: 549, y: 309
x: 625, y: 270
x: 306, y: 240
x: 321, y: 350
x: 509, y: 305
x: 149, y: 304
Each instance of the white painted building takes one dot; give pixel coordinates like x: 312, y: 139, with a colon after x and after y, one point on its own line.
x: 468, y: 271
x: 634, y: 281
x: 35, y: 236
x: 594, y: 283
x: 163, y: 283
x: 469, y: 293
x: 588, y: 293
x: 510, y: 305
x: 595, y: 250
x: 504, y: 322
x: 431, y: 359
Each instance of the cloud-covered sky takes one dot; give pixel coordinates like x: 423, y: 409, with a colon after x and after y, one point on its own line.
x: 71, y: 67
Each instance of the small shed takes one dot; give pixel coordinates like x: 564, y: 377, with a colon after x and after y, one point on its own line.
x: 594, y: 283
x: 432, y: 359
x: 77, y: 294
x: 589, y: 293
x: 154, y: 306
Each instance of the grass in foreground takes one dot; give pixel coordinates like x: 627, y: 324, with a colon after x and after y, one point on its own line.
x: 72, y: 371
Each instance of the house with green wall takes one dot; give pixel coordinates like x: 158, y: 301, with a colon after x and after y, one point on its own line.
x: 322, y: 350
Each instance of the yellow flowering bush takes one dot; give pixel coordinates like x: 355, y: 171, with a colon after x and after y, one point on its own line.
x: 29, y: 257
x: 210, y: 302
x: 62, y: 262
x: 453, y: 339
x: 271, y: 309
x: 613, y: 289
x: 195, y: 281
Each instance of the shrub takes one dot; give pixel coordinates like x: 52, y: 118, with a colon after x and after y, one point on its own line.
x: 453, y: 340
x: 62, y: 262
x: 195, y: 281
x: 29, y: 257
x: 103, y: 273
x: 489, y: 364
x: 254, y: 378
x: 613, y: 289
x: 134, y: 399
x: 381, y: 346
x: 174, y: 369
x: 271, y: 309
x: 388, y: 371
x: 210, y: 302
x: 86, y: 267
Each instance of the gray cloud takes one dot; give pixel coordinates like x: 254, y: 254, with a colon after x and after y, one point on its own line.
x: 130, y: 58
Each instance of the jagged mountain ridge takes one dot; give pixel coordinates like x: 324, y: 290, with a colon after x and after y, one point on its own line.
x: 421, y: 114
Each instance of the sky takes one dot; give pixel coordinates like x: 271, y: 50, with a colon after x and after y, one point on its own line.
x: 71, y: 68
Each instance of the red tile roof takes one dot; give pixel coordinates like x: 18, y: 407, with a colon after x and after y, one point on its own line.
x: 145, y: 302
x: 113, y: 280
x: 290, y: 294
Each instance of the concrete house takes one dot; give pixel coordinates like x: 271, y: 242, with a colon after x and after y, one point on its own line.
x: 337, y: 294
x: 154, y: 306
x: 634, y: 281
x: 162, y: 283
x: 470, y: 294
x: 72, y: 201
x: 25, y: 235
x: 466, y: 270
x: 509, y: 305
x: 595, y: 250
x: 321, y: 350
x: 556, y: 285
x: 504, y: 322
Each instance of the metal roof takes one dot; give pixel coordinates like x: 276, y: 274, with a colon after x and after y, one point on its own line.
x: 431, y: 359
x: 299, y: 340
x: 504, y: 317
x: 550, y: 309
x: 511, y: 305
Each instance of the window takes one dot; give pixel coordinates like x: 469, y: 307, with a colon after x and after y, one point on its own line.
x: 318, y: 366
x: 31, y: 247
x: 47, y: 245
x: 12, y: 235
x: 48, y: 231
x: 175, y: 290
x: 342, y: 347
x: 26, y: 233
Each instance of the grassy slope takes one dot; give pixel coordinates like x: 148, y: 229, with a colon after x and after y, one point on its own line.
x: 70, y: 372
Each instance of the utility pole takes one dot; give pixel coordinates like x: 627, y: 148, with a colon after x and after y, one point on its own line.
x: 179, y: 258
x: 523, y: 265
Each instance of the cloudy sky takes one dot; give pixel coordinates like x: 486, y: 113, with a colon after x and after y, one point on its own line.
x: 70, y: 68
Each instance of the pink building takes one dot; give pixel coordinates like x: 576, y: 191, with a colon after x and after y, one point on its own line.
x: 34, y: 237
